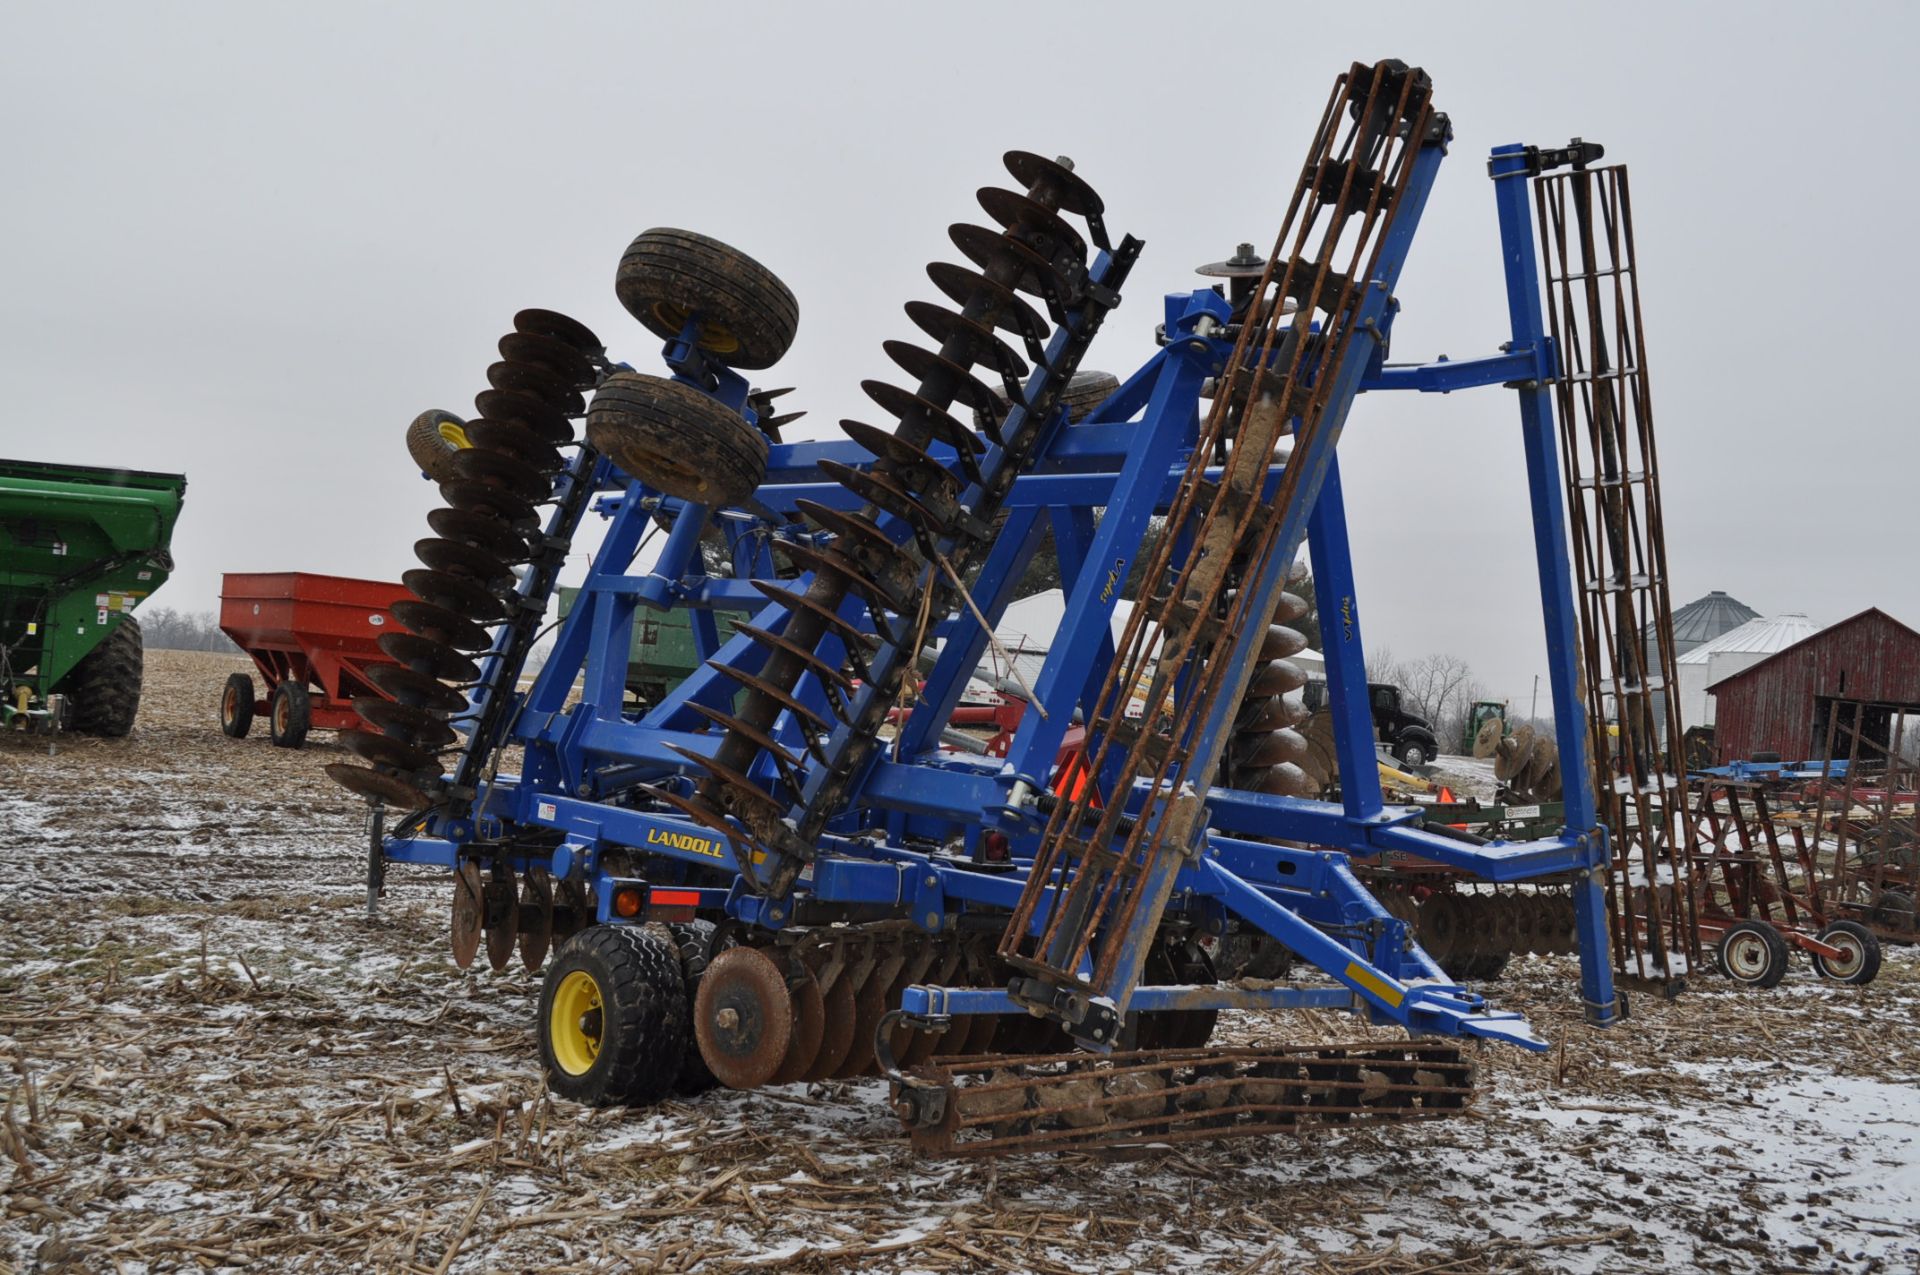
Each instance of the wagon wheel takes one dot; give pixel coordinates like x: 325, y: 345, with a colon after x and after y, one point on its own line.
x: 236, y: 706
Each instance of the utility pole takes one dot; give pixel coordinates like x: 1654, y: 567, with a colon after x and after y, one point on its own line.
x: 1534, y: 708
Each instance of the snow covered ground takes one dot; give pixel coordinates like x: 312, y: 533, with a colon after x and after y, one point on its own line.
x: 211, y: 1059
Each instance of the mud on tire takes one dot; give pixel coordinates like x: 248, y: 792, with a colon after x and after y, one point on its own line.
x: 643, y: 1022
x: 105, y: 685
x: 676, y: 439
x: 747, y: 317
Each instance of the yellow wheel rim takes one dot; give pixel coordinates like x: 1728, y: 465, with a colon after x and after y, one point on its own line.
x: 714, y: 338
x: 454, y: 436
x: 575, y: 1023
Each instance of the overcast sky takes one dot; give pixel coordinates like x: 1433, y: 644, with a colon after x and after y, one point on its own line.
x: 249, y: 242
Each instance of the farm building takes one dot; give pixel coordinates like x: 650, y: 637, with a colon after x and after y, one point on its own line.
x: 1695, y: 624
x: 1781, y: 705
x: 1721, y: 657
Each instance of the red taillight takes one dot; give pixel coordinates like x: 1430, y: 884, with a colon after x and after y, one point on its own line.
x: 672, y: 905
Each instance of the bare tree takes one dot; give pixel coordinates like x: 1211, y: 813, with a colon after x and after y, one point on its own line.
x: 169, y: 630
x: 1440, y: 688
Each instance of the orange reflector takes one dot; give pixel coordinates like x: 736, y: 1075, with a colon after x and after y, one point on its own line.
x: 1446, y: 795
x: 627, y: 902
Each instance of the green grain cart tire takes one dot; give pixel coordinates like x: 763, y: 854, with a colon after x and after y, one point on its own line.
x: 105, y: 686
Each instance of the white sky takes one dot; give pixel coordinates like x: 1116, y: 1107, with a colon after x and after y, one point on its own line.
x: 250, y: 242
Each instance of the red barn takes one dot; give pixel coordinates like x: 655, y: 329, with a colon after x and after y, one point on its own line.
x: 1781, y: 704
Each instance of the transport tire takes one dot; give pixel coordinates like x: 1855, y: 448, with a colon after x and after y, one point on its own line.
x: 1861, y: 962
x: 747, y: 317
x: 613, y: 1020
x: 1752, y: 953
x: 1086, y: 391
x: 1413, y: 753
x: 694, y: 940
x: 289, y: 715
x: 236, y: 706
x: 676, y: 439
x: 105, y: 685
x: 433, y: 440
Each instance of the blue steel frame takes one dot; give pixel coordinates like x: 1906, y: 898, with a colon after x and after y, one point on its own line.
x: 907, y: 844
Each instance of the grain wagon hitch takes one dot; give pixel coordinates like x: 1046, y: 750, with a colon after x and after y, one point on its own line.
x: 776, y: 870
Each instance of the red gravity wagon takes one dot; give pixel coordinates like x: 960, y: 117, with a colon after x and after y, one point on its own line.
x: 317, y: 643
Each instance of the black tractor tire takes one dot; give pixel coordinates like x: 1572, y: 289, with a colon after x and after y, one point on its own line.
x: 1753, y: 954
x: 289, y: 715
x: 676, y: 439
x: 104, y: 686
x: 748, y: 318
x: 1862, y: 963
x: 642, y: 1021
x: 433, y: 440
x: 695, y: 942
x: 236, y: 706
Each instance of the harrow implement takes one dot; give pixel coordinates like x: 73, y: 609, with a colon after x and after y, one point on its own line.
x: 778, y: 871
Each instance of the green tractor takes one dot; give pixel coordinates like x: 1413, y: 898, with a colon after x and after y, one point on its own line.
x: 1485, y: 726
x: 80, y: 548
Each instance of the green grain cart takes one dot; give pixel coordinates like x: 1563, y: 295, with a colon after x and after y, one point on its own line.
x: 80, y: 548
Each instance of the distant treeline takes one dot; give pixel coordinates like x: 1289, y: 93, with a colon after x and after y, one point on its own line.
x: 169, y: 630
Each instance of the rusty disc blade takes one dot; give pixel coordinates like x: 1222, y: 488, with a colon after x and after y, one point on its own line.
x: 889, y: 446
x: 513, y: 439
x: 963, y: 286
x: 384, y: 750
x: 442, y: 625
x: 743, y: 1018
x: 809, y: 1026
x: 536, y: 918
x: 424, y: 655
x: 529, y: 379
x: 492, y: 502
x: 456, y: 559
x: 869, y: 1006
x: 498, y: 469
x: 1043, y: 229
x: 562, y: 328
x: 910, y: 409
x: 454, y: 593
x: 377, y: 785
x: 548, y: 353
x: 502, y: 915
x: 469, y: 912
x: 836, y: 1037
x: 417, y: 689
x: 1069, y: 191
x: 543, y: 418
x: 420, y: 727
x: 990, y: 248
x: 933, y: 371
x: 972, y: 340
x: 480, y: 531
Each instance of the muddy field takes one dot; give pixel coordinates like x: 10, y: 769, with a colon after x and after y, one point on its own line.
x: 213, y: 1059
